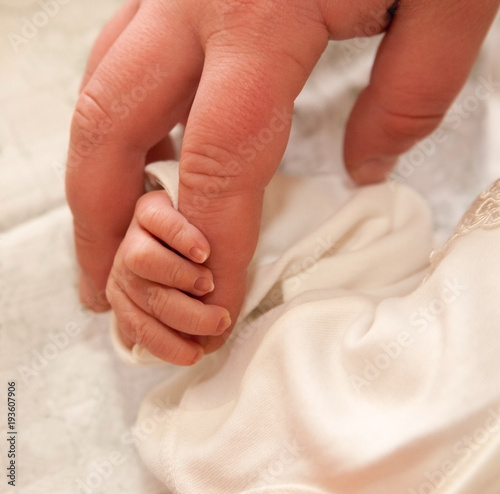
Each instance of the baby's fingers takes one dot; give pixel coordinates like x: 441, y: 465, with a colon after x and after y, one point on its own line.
x: 136, y: 326
x: 155, y: 213
x: 171, y: 307
x: 142, y: 255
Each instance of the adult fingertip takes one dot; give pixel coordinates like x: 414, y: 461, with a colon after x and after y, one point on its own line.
x: 92, y: 298
x: 372, y: 170
x: 200, y: 353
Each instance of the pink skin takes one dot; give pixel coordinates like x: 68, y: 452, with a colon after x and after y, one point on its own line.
x: 156, y: 287
x: 226, y: 68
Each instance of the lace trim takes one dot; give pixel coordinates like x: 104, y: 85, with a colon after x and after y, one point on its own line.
x: 484, y: 214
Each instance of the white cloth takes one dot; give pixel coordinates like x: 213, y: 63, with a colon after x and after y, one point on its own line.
x: 75, y: 414
x: 346, y: 373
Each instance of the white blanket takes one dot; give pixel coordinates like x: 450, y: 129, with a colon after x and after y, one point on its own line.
x: 343, y: 375
x: 76, y: 402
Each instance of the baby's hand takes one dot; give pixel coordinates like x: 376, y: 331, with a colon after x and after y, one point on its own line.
x: 156, y: 275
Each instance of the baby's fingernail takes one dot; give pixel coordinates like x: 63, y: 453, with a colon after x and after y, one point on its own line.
x: 198, y: 255
x: 224, y: 323
x: 204, y: 285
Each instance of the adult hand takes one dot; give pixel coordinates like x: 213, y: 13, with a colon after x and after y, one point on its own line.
x: 231, y: 69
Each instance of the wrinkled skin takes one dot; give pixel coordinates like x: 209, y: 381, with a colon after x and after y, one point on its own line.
x: 230, y: 70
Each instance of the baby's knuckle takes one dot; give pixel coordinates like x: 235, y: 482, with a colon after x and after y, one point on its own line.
x: 145, y: 210
x: 176, y: 231
x: 139, y: 330
x: 154, y: 217
x: 172, y: 354
x: 111, y: 290
x: 141, y: 204
x: 199, y: 321
x: 192, y: 324
x: 176, y: 274
x: 116, y: 287
x: 130, y: 260
x: 157, y: 301
x: 150, y: 214
x: 134, y: 259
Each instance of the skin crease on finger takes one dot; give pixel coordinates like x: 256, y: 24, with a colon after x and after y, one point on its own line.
x: 101, y: 195
x: 145, y: 270
x: 231, y: 220
x: 421, y: 125
x: 257, y: 57
x: 213, y: 216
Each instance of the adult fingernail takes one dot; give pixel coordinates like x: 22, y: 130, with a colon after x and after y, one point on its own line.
x: 204, y: 285
x: 224, y: 323
x: 373, y: 170
x: 197, y: 255
x: 90, y: 297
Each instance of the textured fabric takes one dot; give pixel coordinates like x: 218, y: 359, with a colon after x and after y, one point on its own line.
x: 76, y: 409
x: 347, y: 373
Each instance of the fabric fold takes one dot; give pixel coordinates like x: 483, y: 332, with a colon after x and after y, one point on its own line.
x: 347, y: 373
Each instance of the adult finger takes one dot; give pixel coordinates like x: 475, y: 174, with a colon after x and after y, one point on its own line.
x: 107, y: 37
x: 421, y: 65
x: 149, y: 76
x: 237, y: 131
